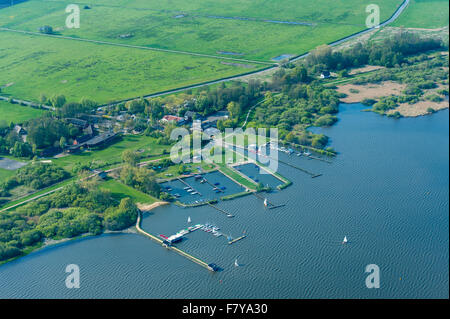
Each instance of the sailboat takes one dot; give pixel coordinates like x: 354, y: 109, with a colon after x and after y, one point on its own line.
x: 189, y: 219
x: 265, y: 202
x: 236, y: 263
x: 345, y: 240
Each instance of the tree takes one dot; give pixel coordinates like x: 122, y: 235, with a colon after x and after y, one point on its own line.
x: 46, y: 29
x: 130, y: 157
x: 58, y: 100
x: 234, y: 109
x: 62, y: 142
x: 43, y: 98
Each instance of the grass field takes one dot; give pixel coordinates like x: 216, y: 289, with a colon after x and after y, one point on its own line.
x: 103, y: 73
x: 428, y: 14
x: 17, y: 113
x: 4, y: 174
x: 106, y: 72
x: 113, y: 153
x: 119, y: 191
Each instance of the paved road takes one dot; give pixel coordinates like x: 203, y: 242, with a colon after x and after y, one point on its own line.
x: 28, y: 103
x: 135, y: 46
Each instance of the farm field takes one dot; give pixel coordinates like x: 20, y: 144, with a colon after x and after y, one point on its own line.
x: 425, y: 14
x: 241, y: 37
x: 102, y: 73
x: 17, y: 113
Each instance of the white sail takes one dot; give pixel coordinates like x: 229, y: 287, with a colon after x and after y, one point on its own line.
x: 265, y: 202
x: 236, y: 263
x: 345, y: 240
x: 189, y: 219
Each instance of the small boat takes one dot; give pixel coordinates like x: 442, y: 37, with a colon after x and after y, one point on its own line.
x: 299, y: 154
x: 307, y: 153
x: 265, y: 202
x: 236, y: 263
x: 189, y: 219
x: 345, y: 240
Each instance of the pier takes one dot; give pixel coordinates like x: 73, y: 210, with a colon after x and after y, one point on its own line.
x: 175, y: 249
x: 213, y: 186
x: 272, y: 205
x: 236, y: 239
x: 313, y: 175
x: 221, y: 210
x: 181, y: 180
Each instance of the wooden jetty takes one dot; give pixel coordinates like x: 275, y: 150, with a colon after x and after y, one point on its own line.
x: 213, y: 186
x: 236, y: 239
x: 184, y: 182
x: 272, y: 205
x: 220, y: 210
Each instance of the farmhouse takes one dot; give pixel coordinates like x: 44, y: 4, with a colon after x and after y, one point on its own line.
x: 172, y: 118
x: 325, y: 75
x: 19, y: 130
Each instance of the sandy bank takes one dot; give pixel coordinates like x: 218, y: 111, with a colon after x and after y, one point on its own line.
x: 357, y: 93
x: 149, y: 207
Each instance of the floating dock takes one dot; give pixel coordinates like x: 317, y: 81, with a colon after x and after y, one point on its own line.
x: 236, y: 239
x: 181, y: 180
x: 272, y: 205
x: 213, y: 186
x: 221, y: 210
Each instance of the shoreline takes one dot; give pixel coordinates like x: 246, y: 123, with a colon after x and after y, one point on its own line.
x: 46, y: 243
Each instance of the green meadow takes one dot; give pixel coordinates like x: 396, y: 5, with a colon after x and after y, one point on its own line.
x: 120, y: 191
x: 100, y: 72
x: 251, y: 30
x: 112, y: 154
x: 4, y: 174
x: 17, y: 113
x: 426, y: 14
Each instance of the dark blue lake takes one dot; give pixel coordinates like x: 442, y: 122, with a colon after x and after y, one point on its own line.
x: 387, y: 191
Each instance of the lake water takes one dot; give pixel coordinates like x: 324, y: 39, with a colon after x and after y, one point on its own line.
x: 387, y: 191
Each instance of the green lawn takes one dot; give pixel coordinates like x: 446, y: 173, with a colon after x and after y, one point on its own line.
x: 17, y: 113
x: 119, y: 191
x: 113, y: 153
x: 4, y: 174
x: 232, y: 173
x: 426, y: 14
x: 106, y: 72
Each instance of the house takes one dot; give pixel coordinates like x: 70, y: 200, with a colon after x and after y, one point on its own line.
x: 89, y: 141
x: 19, y: 130
x: 190, y: 116
x: 77, y: 122
x: 325, y: 75
x: 88, y: 130
x: 100, y: 173
x: 101, y: 139
x: 50, y: 151
x: 172, y: 118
